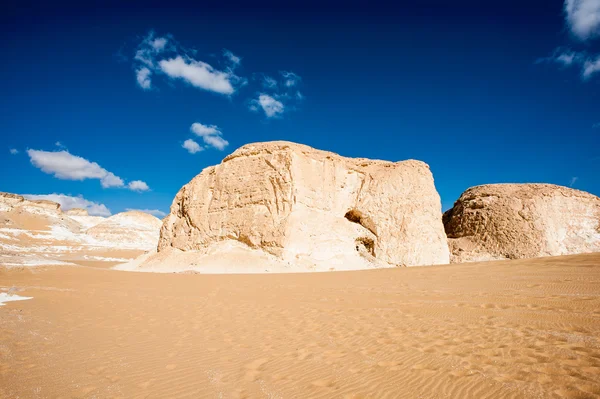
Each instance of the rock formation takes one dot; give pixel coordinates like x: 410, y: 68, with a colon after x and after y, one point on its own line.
x: 37, y: 232
x: 509, y: 221
x: 77, y: 212
x: 132, y: 229
x: 307, y: 210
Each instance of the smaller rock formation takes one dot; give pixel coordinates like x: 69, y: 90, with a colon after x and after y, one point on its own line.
x: 77, y: 212
x: 512, y: 221
x: 38, y: 232
x: 131, y: 229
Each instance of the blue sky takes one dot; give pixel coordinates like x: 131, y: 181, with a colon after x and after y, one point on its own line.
x: 123, y: 106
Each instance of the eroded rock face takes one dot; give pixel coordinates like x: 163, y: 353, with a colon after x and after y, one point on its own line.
x: 510, y: 221
x: 77, y: 212
x: 38, y: 232
x: 312, y: 209
x: 131, y: 229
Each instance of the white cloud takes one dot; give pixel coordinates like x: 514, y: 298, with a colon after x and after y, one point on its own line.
x: 217, y: 142
x: 268, y: 82
x: 143, y: 78
x: 198, y: 74
x: 234, y: 59
x: 269, y: 105
x: 68, y: 202
x: 583, y: 18
x: 138, y: 185
x: 211, y: 135
x: 590, y: 67
x: 596, y: 125
x: 573, y: 181
x: 66, y: 166
x: 156, y: 212
x: 14, y: 151
x: 290, y: 78
x: 159, y: 44
x: 192, y: 146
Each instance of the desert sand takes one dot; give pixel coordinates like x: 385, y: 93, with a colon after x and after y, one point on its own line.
x: 506, y: 329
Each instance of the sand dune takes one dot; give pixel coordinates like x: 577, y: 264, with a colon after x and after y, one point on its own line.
x: 512, y: 329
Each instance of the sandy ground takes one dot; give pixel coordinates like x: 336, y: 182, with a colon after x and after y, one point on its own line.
x: 518, y: 329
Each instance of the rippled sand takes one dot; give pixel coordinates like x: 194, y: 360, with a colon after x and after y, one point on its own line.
x: 522, y: 329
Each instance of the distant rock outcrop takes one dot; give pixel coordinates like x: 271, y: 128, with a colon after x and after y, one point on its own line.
x: 77, y: 212
x: 37, y: 232
x: 305, y: 210
x: 510, y: 221
x: 131, y: 229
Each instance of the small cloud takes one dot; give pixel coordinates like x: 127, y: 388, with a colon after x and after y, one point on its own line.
x: 299, y: 96
x: 583, y: 18
x: 138, y: 185
x: 68, y: 202
x: 234, y: 59
x: 573, y: 181
x: 268, y: 82
x: 211, y: 135
x: 14, y: 151
x: 143, y: 78
x: 271, y: 107
x: 155, y: 212
x: 198, y: 74
x: 192, y: 146
x: 596, y: 125
x: 159, y: 44
x: 290, y: 78
x: 590, y: 67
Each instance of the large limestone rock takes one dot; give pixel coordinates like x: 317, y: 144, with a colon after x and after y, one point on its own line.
x: 510, y: 221
x: 309, y: 210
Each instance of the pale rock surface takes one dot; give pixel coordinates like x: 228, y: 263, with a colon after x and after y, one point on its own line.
x: 512, y: 221
x: 132, y: 229
x: 37, y: 232
x: 303, y: 209
x: 77, y: 212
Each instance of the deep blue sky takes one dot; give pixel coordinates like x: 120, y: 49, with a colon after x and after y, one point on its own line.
x: 455, y: 85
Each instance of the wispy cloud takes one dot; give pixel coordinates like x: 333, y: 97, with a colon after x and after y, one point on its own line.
x: 596, y: 125
x: 14, y: 151
x: 143, y: 78
x: 157, y: 56
x: 573, y: 181
x: 66, y: 166
x: 155, y: 212
x: 290, y: 78
x: 68, y: 202
x: 267, y: 82
x: 192, y: 146
x: 271, y: 107
x: 590, y: 67
x: 588, y: 64
x: 583, y: 18
x: 211, y: 135
x: 233, y: 59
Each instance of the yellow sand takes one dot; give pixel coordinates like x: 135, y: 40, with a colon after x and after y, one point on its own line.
x: 522, y: 329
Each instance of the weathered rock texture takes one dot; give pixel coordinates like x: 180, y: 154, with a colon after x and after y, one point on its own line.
x: 510, y: 221
x: 38, y: 232
x: 133, y: 229
x: 311, y: 209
